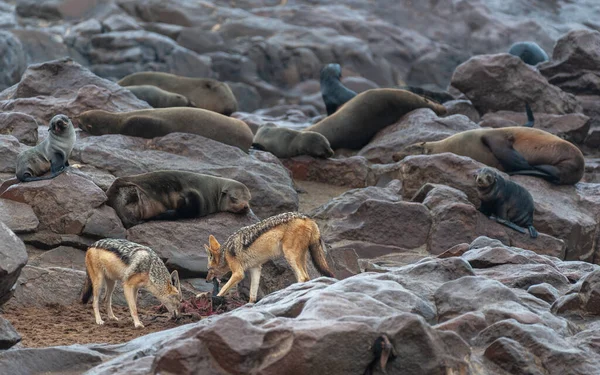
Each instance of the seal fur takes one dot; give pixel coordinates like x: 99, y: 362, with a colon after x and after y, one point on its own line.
x: 159, y: 98
x: 287, y: 143
x: 170, y: 195
x: 333, y: 91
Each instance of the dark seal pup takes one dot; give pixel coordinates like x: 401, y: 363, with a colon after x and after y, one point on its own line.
x: 334, y: 93
x: 159, y: 98
x: 151, y: 123
x: 530, y: 52
x: 205, y: 93
x: 506, y: 202
x: 286, y: 143
x: 514, y: 150
x: 353, y: 125
x: 170, y: 195
x: 52, y: 154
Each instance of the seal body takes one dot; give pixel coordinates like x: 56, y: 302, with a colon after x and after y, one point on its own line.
x: 505, y: 200
x: 150, y: 123
x: 353, y: 125
x: 287, y: 143
x: 205, y: 93
x: 530, y: 52
x: 51, y: 155
x: 170, y: 195
x: 334, y: 93
x: 159, y: 98
x: 514, y: 150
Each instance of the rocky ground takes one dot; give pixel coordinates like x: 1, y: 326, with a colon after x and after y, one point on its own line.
x: 415, y: 261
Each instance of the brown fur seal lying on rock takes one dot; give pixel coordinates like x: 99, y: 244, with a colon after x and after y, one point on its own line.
x: 508, y: 203
x: 150, y: 123
x: 52, y: 154
x: 168, y: 195
x: 205, y: 93
x: 159, y: 98
x: 353, y: 125
x: 514, y: 150
x: 287, y: 143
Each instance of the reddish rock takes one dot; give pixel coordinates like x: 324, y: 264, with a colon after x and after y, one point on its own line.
x: 21, y: 126
x: 19, y: 217
x: 462, y: 107
x: 13, y: 258
x: 352, y: 172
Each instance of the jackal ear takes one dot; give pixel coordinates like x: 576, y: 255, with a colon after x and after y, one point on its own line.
x: 214, y: 244
x: 207, y: 249
x: 175, y: 280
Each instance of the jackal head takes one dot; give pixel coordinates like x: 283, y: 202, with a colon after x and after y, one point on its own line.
x: 173, y: 296
x: 216, y: 268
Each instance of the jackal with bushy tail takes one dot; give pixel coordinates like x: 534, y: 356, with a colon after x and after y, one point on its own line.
x: 290, y: 234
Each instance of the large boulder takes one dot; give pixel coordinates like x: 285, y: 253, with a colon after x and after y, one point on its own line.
x: 353, y: 171
x: 13, y: 59
x: 13, y: 258
x: 21, y: 126
x: 55, y: 10
x: 269, y: 182
x: 18, y: 217
x: 504, y: 82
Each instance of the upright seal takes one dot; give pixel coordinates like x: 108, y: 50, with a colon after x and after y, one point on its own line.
x: 52, y: 154
x: 333, y: 91
x: 530, y: 52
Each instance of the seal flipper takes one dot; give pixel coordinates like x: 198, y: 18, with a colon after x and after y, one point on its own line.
x: 530, y: 118
x: 533, y: 233
x: 538, y: 172
x: 510, y: 159
x: 510, y: 225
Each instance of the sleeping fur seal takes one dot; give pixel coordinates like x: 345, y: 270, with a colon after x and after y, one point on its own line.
x: 514, y: 150
x: 159, y: 98
x: 287, y: 143
x: 333, y: 91
x: 52, y: 154
x: 169, y: 195
x: 150, y: 123
x: 205, y: 93
x: 530, y: 52
x: 353, y: 125
x: 506, y: 202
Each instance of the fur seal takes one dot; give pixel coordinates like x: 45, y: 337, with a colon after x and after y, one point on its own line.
x: 334, y: 93
x: 514, y: 150
x: 286, y: 143
x: 506, y: 202
x: 150, y: 123
x: 530, y: 52
x: 435, y: 95
x: 159, y: 98
x: 170, y: 195
x: 353, y: 125
x: 205, y: 93
x: 52, y: 154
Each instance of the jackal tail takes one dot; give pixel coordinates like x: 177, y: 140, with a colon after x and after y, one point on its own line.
x: 317, y: 253
x: 86, y: 292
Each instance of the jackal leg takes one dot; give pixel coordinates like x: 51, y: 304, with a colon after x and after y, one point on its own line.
x: 110, y: 287
x: 97, y: 283
x: 130, y: 295
x: 235, y: 278
x: 254, y: 281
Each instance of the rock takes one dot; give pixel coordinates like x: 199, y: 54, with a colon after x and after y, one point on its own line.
x: 504, y: 82
x: 544, y: 291
x: 9, y: 150
x: 466, y: 325
x: 104, y: 222
x: 19, y: 125
x: 63, y: 204
x: 120, y: 22
x: 421, y: 125
x: 462, y: 107
x: 64, y: 86
x: 574, y: 64
x: 8, y: 336
x: 40, y: 46
x: 248, y: 98
x: 179, y: 243
x: 54, y: 359
x: 269, y: 182
x: 18, y: 217
x: 62, y: 256
x: 526, y: 275
x: 13, y: 258
x: 352, y: 172
x: 511, y: 356
x: 13, y: 59
x: 584, y: 301
x: 573, y: 127
x: 55, y: 10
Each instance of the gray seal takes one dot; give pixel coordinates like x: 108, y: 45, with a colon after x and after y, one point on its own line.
x: 287, y: 143
x: 159, y: 98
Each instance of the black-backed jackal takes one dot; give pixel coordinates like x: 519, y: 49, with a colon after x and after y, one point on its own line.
x: 291, y: 234
x: 137, y: 266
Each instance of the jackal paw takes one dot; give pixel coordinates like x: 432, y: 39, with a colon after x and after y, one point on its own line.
x: 113, y: 318
x: 77, y: 166
x: 138, y: 325
x: 100, y: 322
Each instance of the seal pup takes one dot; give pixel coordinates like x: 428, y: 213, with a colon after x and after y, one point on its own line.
x: 354, y: 124
x: 506, y: 202
x: 286, y: 143
x: 514, y: 150
x: 52, y: 154
x: 205, y: 93
x: 530, y: 52
x: 150, y: 123
x: 159, y: 98
x: 333, y: 91
x: 171, y: 195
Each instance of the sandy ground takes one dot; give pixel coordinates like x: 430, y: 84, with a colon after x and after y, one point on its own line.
x: 315, y: 194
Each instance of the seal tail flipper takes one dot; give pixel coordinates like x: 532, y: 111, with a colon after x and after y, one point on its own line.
x: 530, y: 118
x: 511, y: 225
x: 53, y: 175
x: 547, y: 172
x: 533, y: 233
